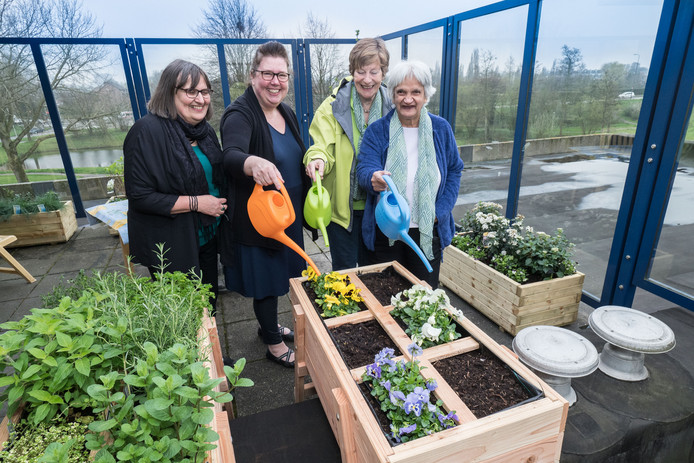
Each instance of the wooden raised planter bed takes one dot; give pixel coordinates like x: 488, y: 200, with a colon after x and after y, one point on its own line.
x: 528, y: 432
x: 509, y: 304
x: 42, y: 227
x: 211, y: 349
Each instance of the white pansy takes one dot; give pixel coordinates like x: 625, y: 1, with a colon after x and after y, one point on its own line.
x: 432, y: 320
x: 430, y: 332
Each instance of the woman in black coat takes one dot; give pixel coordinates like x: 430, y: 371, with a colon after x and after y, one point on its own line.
x: 173, y: 176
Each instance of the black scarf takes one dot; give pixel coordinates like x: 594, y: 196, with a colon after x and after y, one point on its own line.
x: 193, y: 179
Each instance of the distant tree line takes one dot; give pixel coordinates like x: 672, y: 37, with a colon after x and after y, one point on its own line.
x: 566, y: 99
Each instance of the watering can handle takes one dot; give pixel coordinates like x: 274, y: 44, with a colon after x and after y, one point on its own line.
x: 394, y: 189
x: 285, y: 193
x: 320, y: 189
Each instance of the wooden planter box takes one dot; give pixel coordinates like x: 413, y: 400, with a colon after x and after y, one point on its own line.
x: 511, y: 305
x: 528, y: 432
x: 209, y: 345
x: 42, y: 227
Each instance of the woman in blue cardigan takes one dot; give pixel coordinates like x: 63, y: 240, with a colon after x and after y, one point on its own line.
x: 418, y: 150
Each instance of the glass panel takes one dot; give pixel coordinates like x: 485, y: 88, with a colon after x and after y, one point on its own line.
x: 427, y: 47
x: 488, y: 82
x: 671, y: 265
x: 592, y: 61
x: 329, y: 65
x: 394, y: 47
x: 91, y: 92
x: 23, y: 122
x: 489, y: 77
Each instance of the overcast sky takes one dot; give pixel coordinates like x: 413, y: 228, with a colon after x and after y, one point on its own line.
x: 603, y: 30
x: 282, y: 18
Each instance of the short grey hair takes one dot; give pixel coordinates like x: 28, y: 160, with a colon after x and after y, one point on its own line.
x: 405, y: 69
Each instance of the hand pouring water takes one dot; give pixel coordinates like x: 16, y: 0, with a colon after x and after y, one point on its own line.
x: 271, y: 213
x: 393, y: 218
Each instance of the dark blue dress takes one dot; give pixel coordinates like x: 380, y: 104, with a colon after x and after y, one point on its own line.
x: 261, y: 272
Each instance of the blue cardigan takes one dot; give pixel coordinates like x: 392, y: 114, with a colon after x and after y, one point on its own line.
x: 372, y: 157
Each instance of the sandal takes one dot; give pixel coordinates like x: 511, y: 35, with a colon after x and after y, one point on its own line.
x: 285, y: 336
x: 282, y: 359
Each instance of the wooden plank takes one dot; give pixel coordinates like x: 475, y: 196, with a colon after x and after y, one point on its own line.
x: 300, y: 370
x: 345, y: 427
x: 16, y: 266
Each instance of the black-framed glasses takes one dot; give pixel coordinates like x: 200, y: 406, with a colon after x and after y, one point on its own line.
x: 193, y: 92
x: 269, y: 75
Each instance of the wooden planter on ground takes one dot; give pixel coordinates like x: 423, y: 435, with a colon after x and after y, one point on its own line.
x: 528, y: 432
x: 42, y: 227
x: 211, y: 349
x: 509, y: 304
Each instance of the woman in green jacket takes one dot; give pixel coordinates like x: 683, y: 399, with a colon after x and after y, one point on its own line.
x: 337, y: 129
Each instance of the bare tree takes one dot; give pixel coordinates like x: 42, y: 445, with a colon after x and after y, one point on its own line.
x: 23, y: 104
x: 327, y: 67
x: 233, y: 19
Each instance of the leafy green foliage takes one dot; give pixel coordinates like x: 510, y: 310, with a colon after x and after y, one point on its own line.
x: 126, y: 349
x: 48, y: 442
x: 518, y: 252
x: 424, y: 312
x: 405, y: 396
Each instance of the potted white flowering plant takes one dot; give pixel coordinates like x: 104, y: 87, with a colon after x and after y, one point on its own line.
x: 405, y: 396
x: 424, y: 312
x: 494, y: 262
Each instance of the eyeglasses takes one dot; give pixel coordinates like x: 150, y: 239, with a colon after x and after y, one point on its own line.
x: 193, y: 92
x: 268, y: 75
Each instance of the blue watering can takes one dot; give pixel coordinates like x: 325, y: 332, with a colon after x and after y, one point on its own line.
x: 393, y: 218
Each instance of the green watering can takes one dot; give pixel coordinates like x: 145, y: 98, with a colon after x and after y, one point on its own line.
x: 317, y: 208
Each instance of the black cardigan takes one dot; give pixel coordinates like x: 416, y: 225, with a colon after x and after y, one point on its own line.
x: 245, y: 132
x: 154, y: 180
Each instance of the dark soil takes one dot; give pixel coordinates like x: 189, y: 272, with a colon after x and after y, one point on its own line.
x: 359, y: 343
x: 383, y: 285
x: 485, y: 383
x: 312, y: 297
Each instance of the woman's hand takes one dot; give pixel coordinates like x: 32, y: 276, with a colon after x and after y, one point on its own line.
x: 263, y: 171
x: 377, y: 181
x: 211, y: 205
x: 313, y: 166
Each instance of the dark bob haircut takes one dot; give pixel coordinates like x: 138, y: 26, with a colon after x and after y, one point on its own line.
x: 175, y: 76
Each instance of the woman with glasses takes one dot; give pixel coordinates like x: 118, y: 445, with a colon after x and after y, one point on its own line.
x: 337, y: 130
x: 262, y: 145
x: 174, y: 177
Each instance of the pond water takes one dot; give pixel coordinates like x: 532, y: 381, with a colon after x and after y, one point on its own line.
x: 86, y: 158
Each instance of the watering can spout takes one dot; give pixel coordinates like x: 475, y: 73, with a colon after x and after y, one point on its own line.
x: 271, y: 212
x: 393, y: 218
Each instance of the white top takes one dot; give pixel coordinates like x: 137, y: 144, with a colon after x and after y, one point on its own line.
x: 556, y: 351
x: 631, y: 329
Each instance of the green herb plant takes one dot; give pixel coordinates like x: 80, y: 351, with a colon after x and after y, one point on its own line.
x: 336, y: 294
x: 405, y: 396
x: 424, y: 312
x: 517, y: 251
x: 48, y: 442
x: 54, y: 356
x: 29, y: 204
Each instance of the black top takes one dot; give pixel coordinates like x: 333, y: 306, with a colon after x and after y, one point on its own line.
x: 245, y: 132
x: 158, y: 168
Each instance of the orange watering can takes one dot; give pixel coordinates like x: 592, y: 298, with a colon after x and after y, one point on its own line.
x: 317, y: 208
x: 271, y: 213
